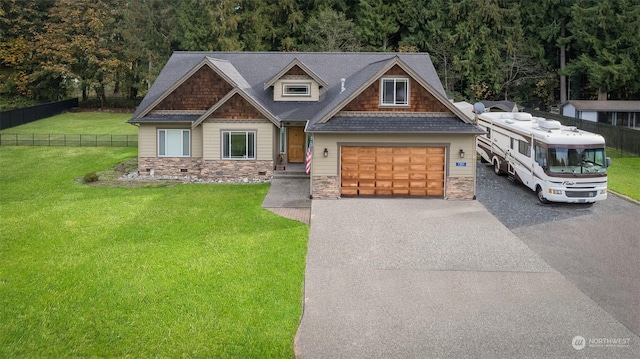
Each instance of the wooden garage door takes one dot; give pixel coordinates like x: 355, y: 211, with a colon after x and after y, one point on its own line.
x: 392, y: 171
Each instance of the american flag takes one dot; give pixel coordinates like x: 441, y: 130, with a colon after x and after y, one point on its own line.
x: 307, y: 161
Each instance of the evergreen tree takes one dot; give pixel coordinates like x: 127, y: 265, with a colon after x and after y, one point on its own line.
x: 146, y: 30
x: 377, y: 21
x: 605, y: 35
x: 193, y: 26
x: 544, y: 24
x: 482, y: 49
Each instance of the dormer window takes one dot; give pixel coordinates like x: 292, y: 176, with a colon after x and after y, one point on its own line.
x: 296, y: 89
x: 394, y: 92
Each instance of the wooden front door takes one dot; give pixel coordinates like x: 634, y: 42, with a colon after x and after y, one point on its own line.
x: 295, y: 144
x: 392, y: 171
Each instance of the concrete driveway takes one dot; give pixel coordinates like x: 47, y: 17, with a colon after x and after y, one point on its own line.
x: 397, y: 278
x: 596, y: 247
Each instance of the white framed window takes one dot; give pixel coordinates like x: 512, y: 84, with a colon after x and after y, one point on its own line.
x: 174, y: 143
x: 394, y: 91
x: 239, y: 145
x: 292, y: 89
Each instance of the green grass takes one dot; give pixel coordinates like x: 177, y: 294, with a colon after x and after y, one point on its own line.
x: 624, y: 173
x: 79, y: 123
x: 624, y: 176
x: 187, y: 270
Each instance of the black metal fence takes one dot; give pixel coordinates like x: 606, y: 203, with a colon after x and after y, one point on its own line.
x: 78, y: 140
x: 618, y: 137
x: 13, y: 118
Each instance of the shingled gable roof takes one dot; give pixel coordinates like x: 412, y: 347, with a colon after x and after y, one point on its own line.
x: 300, y: 64
x: 365, y: 78
x: 227, y: 97
x: 223, y: 68
x: 248, y: 72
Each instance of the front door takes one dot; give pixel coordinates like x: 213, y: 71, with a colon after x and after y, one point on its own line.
x: 295, y: 144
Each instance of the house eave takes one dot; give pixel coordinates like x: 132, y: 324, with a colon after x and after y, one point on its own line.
x: 345, y: 132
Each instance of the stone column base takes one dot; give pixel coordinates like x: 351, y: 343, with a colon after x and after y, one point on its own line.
x: 460, y: 188
x: 325, y: 187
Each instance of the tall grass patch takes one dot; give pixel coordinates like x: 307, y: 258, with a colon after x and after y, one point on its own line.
x: 189, y: 270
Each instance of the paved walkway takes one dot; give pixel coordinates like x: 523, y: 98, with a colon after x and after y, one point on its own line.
x: 398, y: 278
x: 289, y: 197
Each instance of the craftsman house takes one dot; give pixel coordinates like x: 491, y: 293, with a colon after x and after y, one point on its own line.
x: 380, y: 124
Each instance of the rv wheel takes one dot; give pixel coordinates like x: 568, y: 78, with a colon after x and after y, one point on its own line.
x: 496, y: 167
x: 541, y: 195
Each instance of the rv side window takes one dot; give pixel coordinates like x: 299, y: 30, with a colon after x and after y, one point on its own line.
x: 512, y: 144
x: 541, y: 155
x: 524, y: 148
x: 488, y: 132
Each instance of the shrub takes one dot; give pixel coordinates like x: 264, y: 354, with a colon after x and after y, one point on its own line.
x: 90, y: 177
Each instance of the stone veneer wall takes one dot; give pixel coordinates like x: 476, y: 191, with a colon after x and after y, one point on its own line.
x: 325, y: 187
x: 459, y: 188
x: 169, y: 166
x: 226, y: 169
x: 204, y: 169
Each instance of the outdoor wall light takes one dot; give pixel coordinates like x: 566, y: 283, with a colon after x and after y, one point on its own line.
x: 461, y: 153
x: 326, y: 152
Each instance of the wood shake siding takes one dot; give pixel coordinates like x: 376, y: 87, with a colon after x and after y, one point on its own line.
x: 199, y: 92
x: 237, y: 108
x: 420, y: 99
x: 296, y: 70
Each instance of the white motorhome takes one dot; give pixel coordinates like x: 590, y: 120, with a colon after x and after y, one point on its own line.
x: 559, y: 163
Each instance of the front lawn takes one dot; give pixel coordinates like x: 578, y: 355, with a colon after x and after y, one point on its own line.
x: 185, y: 270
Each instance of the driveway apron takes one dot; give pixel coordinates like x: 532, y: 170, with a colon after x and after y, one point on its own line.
x: 397, y: 278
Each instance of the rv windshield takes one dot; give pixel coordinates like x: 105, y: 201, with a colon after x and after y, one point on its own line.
x: 577, y: 160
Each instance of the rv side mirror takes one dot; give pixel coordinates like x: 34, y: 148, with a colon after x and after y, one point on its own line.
x: 607, y: 161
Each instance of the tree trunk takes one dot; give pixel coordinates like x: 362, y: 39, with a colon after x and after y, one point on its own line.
x: 563, y: 62
x: 602, y: 95
x: 101, y: 95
